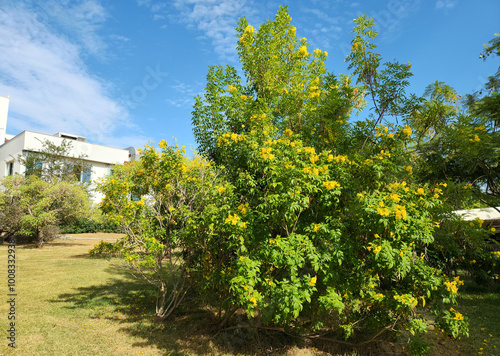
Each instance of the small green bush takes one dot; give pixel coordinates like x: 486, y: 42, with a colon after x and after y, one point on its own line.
x: 87, y: 225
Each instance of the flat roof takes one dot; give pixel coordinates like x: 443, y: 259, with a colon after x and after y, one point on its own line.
x: 486, y: 214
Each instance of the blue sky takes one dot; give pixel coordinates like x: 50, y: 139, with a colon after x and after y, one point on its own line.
x: 125, y: 72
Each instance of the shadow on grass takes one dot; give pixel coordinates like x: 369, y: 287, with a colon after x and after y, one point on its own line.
x: 192, y: 328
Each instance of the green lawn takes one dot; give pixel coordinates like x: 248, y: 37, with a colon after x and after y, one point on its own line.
x: 70, y: 304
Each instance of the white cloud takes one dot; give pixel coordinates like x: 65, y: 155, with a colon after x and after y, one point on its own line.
x: 445, y: 4
x: 82, y: 20
x: 186, y: 92
x: 43, y: 71
x: 215, y: 20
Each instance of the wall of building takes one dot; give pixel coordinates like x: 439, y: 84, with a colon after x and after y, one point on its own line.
x: 9, y: 152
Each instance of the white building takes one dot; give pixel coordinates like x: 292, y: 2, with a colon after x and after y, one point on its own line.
x: 97, y: 158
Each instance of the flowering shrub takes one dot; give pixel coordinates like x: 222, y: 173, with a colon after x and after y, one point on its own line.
x: 328, y: 226
x: 302, y: 218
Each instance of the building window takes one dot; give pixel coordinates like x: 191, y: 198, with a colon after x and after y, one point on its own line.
x: 34, y: 166
x: 84, y: 174
x: 10, y: 168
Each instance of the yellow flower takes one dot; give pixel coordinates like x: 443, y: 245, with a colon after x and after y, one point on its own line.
x: 407, y: 130
x: 331, y: 184
x: 221, y: 189
x: 312, y: 282
x: 303, y: 51
x: 254, y: 301
x: 231, y: 88
x: 420, y: 191
x: 409, y: 169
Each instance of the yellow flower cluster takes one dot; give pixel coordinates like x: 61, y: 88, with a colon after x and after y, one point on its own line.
x: 312, y: 282
x: 229, y: 136
x: 475, y: 139
x: 310, y: 150
x: 458, y: 316
x: 378, y: 296
x: 231, y: 88
x: 303, y: 51
x: 383, y: 153
x: 247, y: 34
x: 331, y: 184
x: 313, y: 158
x: 395, y: 197
x: 342, y: 159
x: 383, y: 211
x: 266, y: 153
x: 381, y: 130
x: 254, y: 301
x: 357, y: 45
x: 315, y: 91
x: 162, y: 144
x: 243, y: 208
x: 452, y: 286
x: 233, y: 219
x: 407, y: 130
x: 400, y: 212
x: 406, y: 299
x: 315, y: 171
x: 376, y: 248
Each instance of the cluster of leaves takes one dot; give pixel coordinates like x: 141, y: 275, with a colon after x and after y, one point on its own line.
x: 33, y: 207
x: 89, y: 225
